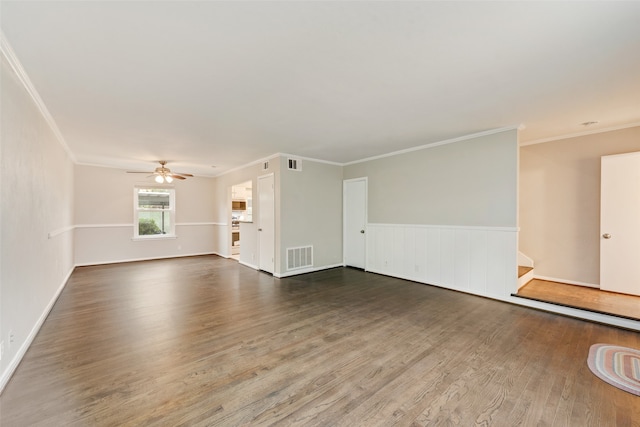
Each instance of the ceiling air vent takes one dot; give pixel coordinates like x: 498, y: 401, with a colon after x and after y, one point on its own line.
x: 294, y: 164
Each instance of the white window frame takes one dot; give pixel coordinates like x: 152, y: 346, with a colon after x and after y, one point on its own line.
x: 137, y: 210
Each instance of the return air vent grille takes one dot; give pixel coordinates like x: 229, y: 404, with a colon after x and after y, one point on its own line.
x: 294, y: 164
x: 299, y: 257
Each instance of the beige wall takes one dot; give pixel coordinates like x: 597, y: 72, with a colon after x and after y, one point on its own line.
x: 104, y: 217
x: 308, y: 211
x: 311, y: 212
x: 471, y: 183
x: 560, y: 203
x: 36, y: 218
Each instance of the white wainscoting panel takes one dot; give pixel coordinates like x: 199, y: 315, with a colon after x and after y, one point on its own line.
x: 477, y: 260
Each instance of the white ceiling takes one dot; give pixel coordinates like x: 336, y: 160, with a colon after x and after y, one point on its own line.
x: 226, y: 83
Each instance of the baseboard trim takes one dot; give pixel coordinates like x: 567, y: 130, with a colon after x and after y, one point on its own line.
x: 582, y: 314
x: 246, y: 264
x: 13, y: 365
x: 568, y: 282
x: 88, y: 264
x: 601, y: 318
x: 306, y: 270
x: 221, y: 255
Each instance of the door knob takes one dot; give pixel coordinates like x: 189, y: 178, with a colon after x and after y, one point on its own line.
x: 362, y: 231
x: 606, y: 235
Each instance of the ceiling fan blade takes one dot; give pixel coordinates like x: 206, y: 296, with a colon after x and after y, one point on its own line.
x: 164, y: 171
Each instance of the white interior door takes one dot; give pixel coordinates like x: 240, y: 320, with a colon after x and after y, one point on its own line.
x: 355, y: 221
x: 620, y: 224
x: 266, y: 223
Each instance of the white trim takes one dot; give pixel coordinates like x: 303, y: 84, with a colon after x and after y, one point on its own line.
x: 60, y: 231
x: 101, y: 225
x: 606, y: 319
x: 185, y: 224
x: 455, y: 227
x: 577, y: 134
x: 9, y: 54
x: 524, y: 260
x: 153, y: 237
x: 305, y: 270
x: 147, y: 259
x: 137, y: 210
x: 574, y: 312
x: 255, y: 162
x: 567, y: 282
x: 393, y: 153
x: 436, y: 144
x: 524, y: 279
x: 178, y: 224
x: 277, y: 156
x: 310, y: 159
x: 13, y: 364
x: 246, y: 264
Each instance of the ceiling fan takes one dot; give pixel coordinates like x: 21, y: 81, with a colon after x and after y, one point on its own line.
x: 163, y: 174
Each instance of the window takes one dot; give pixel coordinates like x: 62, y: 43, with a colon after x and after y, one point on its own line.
x: 154, y: 212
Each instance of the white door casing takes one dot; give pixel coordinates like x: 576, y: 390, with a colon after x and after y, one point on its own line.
x: 266, y: 223
x: 355, y: 222
x: 620, y: 223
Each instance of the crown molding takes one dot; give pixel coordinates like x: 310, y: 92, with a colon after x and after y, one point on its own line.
x: 437, y: 144
x: 16, y: 66
x: 577, y: 134
x: 253, y: 163
x: 393, y: 153
x: 310, y: 159
x: 275, y: 156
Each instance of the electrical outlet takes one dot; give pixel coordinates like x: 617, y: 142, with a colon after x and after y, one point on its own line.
x: 11, y: 338
x: 179, y: 247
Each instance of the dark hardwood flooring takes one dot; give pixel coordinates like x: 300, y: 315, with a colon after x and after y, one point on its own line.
x: 621, y: 305
x: 204, y: 341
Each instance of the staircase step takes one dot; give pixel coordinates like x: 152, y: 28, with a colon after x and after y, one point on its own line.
x: 523, y: 270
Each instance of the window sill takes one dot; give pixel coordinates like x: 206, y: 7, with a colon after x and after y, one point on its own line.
x: 154, y: 237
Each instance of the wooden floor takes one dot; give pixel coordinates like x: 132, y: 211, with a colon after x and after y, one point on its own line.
x: 205, y: 341
x: 627, y: 306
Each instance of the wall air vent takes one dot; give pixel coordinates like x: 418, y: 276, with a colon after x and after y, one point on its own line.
x: 299, y: 257
x: 294, y: 164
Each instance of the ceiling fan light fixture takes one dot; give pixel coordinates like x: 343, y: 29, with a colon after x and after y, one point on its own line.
x: 163, y: 174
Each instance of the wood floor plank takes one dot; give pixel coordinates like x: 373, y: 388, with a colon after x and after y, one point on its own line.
x: 204, y: 341
x: 592, y: 299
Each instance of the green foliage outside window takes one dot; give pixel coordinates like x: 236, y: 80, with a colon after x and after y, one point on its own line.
x: 148, y: 226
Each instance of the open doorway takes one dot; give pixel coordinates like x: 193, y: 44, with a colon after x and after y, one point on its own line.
x: 241, y: 212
